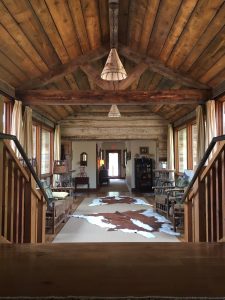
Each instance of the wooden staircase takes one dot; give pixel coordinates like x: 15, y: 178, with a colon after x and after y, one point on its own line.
x: 205, y: 197
x: 22, y: 205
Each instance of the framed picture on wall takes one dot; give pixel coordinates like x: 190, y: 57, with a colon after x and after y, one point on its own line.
x: 144, y: 150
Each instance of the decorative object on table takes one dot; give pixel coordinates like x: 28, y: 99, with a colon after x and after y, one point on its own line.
x: 83, y: 159
x: 82, y: 171
x: 144, y: 150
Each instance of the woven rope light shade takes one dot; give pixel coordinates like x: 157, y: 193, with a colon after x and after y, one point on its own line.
x: 114, y: 112
x: 114, y: 69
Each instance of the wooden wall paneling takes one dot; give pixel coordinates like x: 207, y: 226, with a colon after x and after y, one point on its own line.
x: 209, y: 34
x: 9, y: 65
x: 164, y: 20
x: 41, y: 10
x: 214, y: 70
x: 123, y: 21
x: 31, y: 26
x: 16, y: 31
x: 4, y: 193
x: 210, y: 56
x: 176, y: 30
x: 62, y: 18
x: 193, y: 31
x: 79, y: 22
x: 137, y: 16
x: 11, y: 49
x: 91, y: 17
x: 104, y: 19
x: 149, y: 19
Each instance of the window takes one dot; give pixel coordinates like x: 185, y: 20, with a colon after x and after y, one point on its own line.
x: 194, y: 145
x: 45, y: 151
x: 186, y: 147
x: 182, y: 150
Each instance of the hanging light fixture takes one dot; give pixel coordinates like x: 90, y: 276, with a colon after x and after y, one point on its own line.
x: 114, y: 112
x: 113, y: 69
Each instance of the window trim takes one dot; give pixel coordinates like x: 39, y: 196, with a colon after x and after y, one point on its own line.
x: 188, y: 126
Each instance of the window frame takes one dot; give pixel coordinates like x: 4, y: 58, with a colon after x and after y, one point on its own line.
x: 188, y: 127
x: 39, y: 128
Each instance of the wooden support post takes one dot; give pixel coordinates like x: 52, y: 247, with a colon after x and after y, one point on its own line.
x: 223, y: 195
x: 188, y: 236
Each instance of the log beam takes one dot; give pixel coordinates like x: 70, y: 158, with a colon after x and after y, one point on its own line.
x: 158, y: 67
x: 6, y: 89
x: 60, y: 71
x: 68, y: 97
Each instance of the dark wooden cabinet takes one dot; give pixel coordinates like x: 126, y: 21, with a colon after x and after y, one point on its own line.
x: 143, y: 174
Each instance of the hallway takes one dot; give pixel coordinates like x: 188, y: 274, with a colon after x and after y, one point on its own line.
x: 115, y: 215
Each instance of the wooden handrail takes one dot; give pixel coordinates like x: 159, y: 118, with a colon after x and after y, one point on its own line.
x: 202, y: 163
x: 4, y: 136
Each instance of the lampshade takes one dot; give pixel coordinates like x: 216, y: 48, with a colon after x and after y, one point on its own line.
x: 60, y: 167
x: 113, y: 70
x: 114, y: 112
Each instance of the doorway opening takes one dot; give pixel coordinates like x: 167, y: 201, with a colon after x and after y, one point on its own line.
x: 113, y: 163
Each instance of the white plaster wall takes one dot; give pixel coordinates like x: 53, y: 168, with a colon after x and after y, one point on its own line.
x: 90, y: 148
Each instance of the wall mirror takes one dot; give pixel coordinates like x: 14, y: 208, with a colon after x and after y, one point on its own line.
x: 83, y: 159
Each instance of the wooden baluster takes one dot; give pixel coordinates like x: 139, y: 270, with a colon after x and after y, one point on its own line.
x: 213, y: 176
x: 208, y: 209
x: 16, y: 206
x: 188, y: 236
x: 219, y: 198
x: 41, y: 221
x: 10, y: 201
x: 21, y: 208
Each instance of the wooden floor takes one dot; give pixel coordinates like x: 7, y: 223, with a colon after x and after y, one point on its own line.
x: 163, y: 269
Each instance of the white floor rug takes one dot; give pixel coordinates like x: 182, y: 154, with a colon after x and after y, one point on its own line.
x: 97, y: 220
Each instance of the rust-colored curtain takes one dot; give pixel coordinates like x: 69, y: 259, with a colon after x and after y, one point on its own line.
x: 200, y: 133
x: 28, y: 132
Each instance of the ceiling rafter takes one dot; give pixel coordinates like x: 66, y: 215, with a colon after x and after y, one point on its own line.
x: 159, y: 67
x: 62, y: 70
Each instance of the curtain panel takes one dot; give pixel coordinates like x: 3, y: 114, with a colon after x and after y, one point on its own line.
x: 17, y: 124
x: 57, y: 150
x: 28, y: 132
x: 200, y: 133
x: 170, y: 150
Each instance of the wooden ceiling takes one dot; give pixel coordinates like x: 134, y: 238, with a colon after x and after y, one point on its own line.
x: 63, y: 45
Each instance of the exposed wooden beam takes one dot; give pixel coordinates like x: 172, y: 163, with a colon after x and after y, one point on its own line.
x: 68, y: 97
x: 94, y: 75
x: 219, y: 90
x: 133, y: 76
x: 157, y: 66
x: 6, y: 89
x: 60, y: 71
x: 113, y: 22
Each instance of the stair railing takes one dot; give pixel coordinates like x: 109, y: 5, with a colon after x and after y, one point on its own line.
x: 22, y: 205
x: 204, y: 199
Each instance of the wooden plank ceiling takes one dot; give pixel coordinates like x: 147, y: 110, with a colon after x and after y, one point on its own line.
x: 63, y: 45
